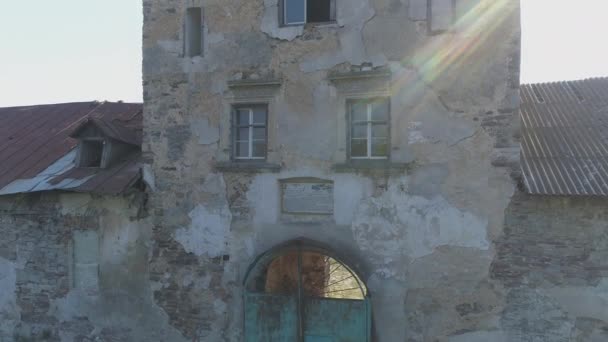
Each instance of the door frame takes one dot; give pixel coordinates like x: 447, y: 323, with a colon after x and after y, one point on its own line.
x: 304, y: 245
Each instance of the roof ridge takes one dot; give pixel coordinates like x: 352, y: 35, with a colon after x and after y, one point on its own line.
x: 566, y: 81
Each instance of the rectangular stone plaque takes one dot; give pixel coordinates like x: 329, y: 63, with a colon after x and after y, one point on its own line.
x: 314, y: 198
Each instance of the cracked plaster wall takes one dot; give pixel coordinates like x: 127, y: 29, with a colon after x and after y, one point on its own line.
x: 38, y: 297
x: 454, y: 98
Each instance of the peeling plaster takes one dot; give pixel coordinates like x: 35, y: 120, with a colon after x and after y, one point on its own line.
x: 207, y: 134
x: 401, y: 224
x: 208, y: 233
x: 590, y: 302
x: 271, y: 25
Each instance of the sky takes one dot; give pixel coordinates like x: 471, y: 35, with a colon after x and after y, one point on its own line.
x: 84, y: 50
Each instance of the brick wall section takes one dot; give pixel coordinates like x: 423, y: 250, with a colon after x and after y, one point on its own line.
x: 552, y: 256
x: 36, y: 238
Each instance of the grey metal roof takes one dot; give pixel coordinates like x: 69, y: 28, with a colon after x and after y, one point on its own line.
x: 564, y: 147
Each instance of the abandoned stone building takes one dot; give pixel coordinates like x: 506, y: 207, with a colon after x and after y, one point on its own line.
x: 312, y: 170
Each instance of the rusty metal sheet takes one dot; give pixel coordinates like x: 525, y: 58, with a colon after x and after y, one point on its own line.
x: 37, y: 152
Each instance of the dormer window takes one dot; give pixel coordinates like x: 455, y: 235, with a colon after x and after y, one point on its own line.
x: 91, y: 153
x: 104, y: 144
x: 300, y: 12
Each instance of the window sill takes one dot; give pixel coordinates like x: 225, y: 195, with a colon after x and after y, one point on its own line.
x: 322, y: 24
x: 372, y: 165
x: 247, y: 166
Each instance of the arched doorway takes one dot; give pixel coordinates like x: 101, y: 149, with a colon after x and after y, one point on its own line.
x: 302, y: 292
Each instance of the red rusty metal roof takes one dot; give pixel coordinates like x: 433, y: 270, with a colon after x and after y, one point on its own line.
x: 565, y: 137
x: 37, y: 151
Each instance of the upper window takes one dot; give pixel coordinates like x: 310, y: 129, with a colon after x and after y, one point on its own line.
x: 193, y: 32
x: 369, y: 128
x: 250, y: 132
x: 299, y: 12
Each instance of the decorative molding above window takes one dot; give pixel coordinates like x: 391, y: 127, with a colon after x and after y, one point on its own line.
x: 251, y: 90
x: 362, y: 83
x: 249, y: 95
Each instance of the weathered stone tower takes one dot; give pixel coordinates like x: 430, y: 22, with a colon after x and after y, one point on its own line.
x: 381, y: 134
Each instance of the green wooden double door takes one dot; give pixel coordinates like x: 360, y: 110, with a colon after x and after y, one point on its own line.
x: 285, y: 318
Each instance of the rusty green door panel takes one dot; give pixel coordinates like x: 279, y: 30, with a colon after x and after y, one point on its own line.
x: 336, y: 320
x: 270, y: 318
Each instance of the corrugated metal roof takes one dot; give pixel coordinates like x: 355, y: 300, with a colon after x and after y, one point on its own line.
x: 38, y: 154
x: 565, y: 137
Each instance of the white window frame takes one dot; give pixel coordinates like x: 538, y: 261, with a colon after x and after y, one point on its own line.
x: 369, y: 136
x: 250, y: 140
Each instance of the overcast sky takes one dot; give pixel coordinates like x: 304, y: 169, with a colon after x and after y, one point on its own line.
x: 81, y: 50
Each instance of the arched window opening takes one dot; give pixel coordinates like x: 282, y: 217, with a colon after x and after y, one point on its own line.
x: 321, y: 276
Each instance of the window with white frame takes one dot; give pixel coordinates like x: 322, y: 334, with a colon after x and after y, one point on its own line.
x: 250, y: 132
x: 369, y: 128
x: 300, y: 12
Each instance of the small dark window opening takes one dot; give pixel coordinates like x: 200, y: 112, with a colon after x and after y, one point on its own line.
x: 91, y: 153
x: 319, y: 11
x: 194, y: 32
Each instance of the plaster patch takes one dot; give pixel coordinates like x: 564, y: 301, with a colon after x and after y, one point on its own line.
x: 349, y: 190
x: 208, y: 232
x: 352, y: 17
x: 206, y: 133
x: 398, y: 223
x: 214, y: 184
x: 589, y: 302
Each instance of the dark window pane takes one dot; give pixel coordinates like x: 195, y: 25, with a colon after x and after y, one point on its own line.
x: 359, y: 111
x: 259, y: 133
x: 259, y: 116
x: 194, y: 32
x: 379, y: 147
x: 242, y: 150
x: 318, y: 11
x: 259, y: 149
x: 295, y: 11
x: 359, y: 131
x: 380, y: 131
x: 242, y: 117
x: 380, y: 110
x: 242, y: 133
x: 358, y: 148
